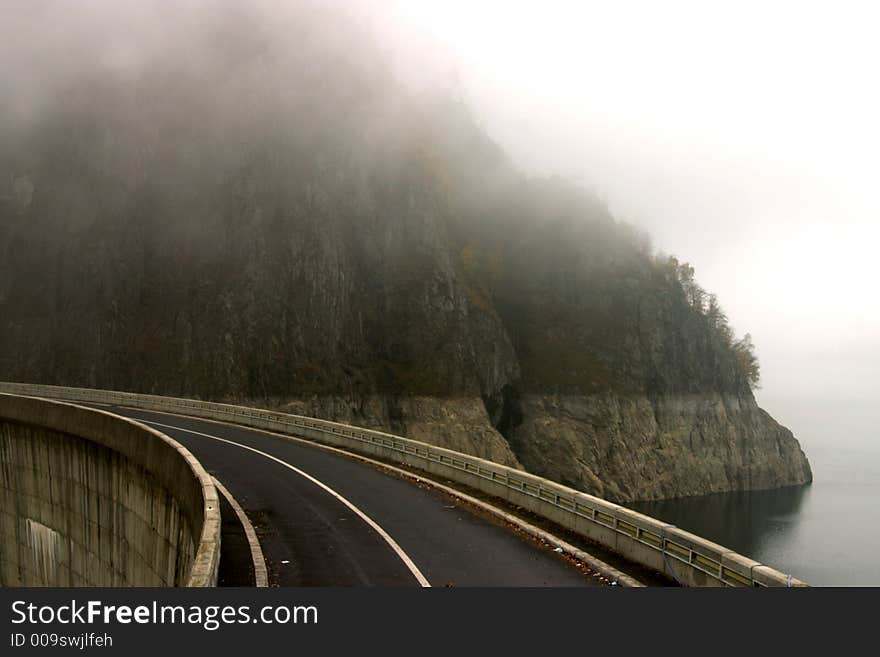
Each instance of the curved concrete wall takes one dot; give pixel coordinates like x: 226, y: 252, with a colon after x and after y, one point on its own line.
x: 89, y: 498
x: 690, y: 559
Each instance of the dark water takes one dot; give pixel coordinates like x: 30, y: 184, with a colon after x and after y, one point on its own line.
x: 826, y: 533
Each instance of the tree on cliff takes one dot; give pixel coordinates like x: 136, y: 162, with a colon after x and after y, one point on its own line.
x: 695, y: 294
x: 718, y: 320
x: 747, y: 361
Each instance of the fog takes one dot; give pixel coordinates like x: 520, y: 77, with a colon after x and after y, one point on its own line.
x: 743, y: 136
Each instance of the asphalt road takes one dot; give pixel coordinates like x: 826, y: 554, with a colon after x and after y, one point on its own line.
x: 310, y: 537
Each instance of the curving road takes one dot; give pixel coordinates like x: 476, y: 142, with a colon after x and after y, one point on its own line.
x: 327, y: 520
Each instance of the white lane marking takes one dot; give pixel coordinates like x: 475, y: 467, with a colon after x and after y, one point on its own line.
x: 422, y: 580
x: 261, y: 576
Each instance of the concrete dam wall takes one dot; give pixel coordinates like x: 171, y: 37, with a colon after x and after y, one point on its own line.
x: 88, y: 498
x: 689, y: 559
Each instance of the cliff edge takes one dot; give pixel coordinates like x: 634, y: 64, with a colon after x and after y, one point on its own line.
x: 266, y: 215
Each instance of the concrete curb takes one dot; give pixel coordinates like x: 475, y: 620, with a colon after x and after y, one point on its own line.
x: 261, y: 575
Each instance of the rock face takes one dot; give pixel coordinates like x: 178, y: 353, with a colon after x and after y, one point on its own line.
x: 289, y: 227
x: 627, y: 448
x: 461, y: 423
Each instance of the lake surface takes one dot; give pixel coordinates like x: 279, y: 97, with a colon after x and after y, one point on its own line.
x: 826, y: 533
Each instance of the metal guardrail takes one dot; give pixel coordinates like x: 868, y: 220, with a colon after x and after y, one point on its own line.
x: 688, y: 558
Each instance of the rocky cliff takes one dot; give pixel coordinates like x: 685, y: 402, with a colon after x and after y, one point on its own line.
x: 268, y: 216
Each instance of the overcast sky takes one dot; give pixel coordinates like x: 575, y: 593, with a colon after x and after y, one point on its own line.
x: 744, y: 136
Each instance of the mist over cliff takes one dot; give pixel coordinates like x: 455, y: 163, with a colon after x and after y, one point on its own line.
x: 245, y: 203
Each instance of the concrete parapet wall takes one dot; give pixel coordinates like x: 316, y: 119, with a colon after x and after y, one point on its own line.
x: 689, y: 559
x: 88, y: 498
